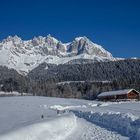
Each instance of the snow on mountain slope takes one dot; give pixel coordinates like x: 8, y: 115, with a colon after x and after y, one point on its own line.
x: 26, y: 55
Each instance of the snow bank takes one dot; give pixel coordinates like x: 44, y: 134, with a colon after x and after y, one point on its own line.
x: 60, y: 107
x: 55, y: 129
x: 13, y: 93
x: 102, y: 104
x: 124, y: 123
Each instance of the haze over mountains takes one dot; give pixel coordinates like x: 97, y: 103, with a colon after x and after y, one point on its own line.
x: 24, y: 56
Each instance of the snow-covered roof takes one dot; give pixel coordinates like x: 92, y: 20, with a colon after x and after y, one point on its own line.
x: 117, y: 92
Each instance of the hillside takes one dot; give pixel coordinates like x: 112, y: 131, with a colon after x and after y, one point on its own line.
x: 85, y: 80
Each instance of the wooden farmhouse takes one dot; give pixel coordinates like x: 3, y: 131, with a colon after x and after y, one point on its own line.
x: 127, y: 94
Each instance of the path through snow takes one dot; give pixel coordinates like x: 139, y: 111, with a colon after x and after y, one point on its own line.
x: 89, y: 131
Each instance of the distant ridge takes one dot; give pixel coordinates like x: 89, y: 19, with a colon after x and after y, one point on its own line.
x: 24, y: 56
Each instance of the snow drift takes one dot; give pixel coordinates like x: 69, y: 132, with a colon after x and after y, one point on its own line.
x: 55, y: 129
x: 124, y: 123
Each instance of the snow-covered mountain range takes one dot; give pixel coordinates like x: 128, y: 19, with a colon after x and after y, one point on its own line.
x: 24, y: 56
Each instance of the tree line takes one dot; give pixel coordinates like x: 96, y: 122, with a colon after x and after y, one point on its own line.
x: 44, y: 80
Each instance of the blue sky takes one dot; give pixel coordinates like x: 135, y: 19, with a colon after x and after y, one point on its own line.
x: 114, y: 24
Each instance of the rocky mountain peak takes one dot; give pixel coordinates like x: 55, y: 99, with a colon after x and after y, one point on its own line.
x: 26, y: 55
x: 14, y: 39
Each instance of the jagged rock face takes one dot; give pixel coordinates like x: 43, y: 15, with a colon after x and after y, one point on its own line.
x: 84, y: 45
x: 26, y: 55
x: 61, y: 47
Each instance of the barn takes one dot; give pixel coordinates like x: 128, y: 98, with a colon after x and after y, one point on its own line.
x: 126, y: 94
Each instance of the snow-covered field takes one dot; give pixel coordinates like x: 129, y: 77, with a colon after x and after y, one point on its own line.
x: 38, y: 118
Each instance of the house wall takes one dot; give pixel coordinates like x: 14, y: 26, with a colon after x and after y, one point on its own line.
x: 123, y: 96
x: 108, y: 97
x: 133, y: 95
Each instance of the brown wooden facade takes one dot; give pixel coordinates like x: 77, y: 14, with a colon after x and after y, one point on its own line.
x: 133, y: 95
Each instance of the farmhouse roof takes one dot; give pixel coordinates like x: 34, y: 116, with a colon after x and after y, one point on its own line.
x: 117, y: 92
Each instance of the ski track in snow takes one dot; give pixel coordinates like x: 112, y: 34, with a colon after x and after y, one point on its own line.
x: 89, y: 131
